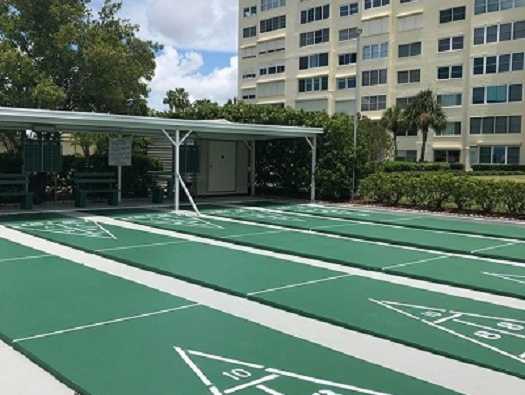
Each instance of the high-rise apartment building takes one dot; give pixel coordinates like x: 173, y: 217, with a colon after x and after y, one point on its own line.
x: 304, y: 54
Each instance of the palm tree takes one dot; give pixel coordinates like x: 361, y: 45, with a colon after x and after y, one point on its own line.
x: 177, y: 99
x: 393, y: 120
x: 424, y: 113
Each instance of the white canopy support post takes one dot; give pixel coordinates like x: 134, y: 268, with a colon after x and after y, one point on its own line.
x: 252, y: 169
x: 313, y: 146
x: 177, y: 178
x: 119, y: 180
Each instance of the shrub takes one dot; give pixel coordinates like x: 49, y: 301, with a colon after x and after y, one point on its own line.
x: 434, y: 189
x: 497, y: 167
x: 395, y: 166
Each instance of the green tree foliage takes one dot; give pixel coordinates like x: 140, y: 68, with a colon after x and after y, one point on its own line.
x: 283, y: 166
x: 393, y: 120
x: 177, y: 100
x: 423, y: 113
x: 56, y: 54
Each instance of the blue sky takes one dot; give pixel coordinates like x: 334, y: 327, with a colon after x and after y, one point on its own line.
x: 200, y: 45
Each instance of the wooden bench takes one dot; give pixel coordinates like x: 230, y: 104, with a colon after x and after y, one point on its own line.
x: 95, y: 183
x: 162, y: 177
x: 12, y: 185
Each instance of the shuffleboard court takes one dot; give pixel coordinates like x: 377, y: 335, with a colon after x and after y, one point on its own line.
x: 476, y: 274
x: 483, y: 246
x: 468, y: 330
x: 410, y: 220
x: 101, y: 335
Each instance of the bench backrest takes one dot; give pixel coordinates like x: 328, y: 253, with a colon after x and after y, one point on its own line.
x: 13, y: 180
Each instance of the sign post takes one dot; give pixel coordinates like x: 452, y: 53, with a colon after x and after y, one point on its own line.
x: 120, y: 155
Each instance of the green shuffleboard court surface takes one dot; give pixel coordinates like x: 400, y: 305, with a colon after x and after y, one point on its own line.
x: 103, y: 335
x: 409, y: 220
x: 476, y: 245
x: 476, y: 274
x: 476, y: 332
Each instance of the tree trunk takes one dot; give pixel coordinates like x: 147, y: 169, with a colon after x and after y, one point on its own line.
x: 424, y: 133
x: 395, y: 144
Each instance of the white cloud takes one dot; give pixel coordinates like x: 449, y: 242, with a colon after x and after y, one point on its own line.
x: 194, y: 24
x: 176, y: 69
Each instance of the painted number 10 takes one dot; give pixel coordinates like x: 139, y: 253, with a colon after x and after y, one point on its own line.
x: 237, y: 374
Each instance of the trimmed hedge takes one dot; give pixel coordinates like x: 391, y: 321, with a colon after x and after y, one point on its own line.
x: 395, y: 166
x: 496, y: 167
x: 436, y: 190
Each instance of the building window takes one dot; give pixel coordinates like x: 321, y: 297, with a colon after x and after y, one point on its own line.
x: 499, y: 155
x: 249, y: 52
x: 450, y: 72
x: 272, y: 46
x: 498, y: 63
x: 250, y: 11
x: 496, y: 125
x: 375, y: 51
x: 452, y: 129
x: 409, y: 1
x: 450, y: 156
x: 373, y: 103
x: 502, y: 32
x: 313, y: 61
x: 449, y: 100
x: 450, y: 43
x: 407, y: 50
x: 271, y: 69
x: 349, y: 9
x: 408, y: 76
x: 375, y: 3
x: 314, y: 84
x: 248, y: 74
x: 375, y: 26
x: 271, y: 24
x: 497, y: 94
x: 271, y: 4
x: 403, y: 102
x: 347, y: 34
x: 410, y: 22
x: 249, y: 32
x: 347, y: 58
x: 485, y: 6
x: 315, y: 14
x: 248, y: 94
x: 315, y: 37
x: 452, y: 14
x: 346, y: 83
x: 374, y: 77
x: 406, y: 155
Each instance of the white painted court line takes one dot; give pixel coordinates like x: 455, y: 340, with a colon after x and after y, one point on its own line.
x: 456, y: 234
x: 24, y: 258
x: 492, y: 248
x: 253, y: 383
x: 299, y: 284
x: 414, y: 262
x: 103, y: 323
x: 378, y: 243
x: 451, y: 317
x: 103, y: 229
x: 269, y: 390
x: 143, y: 246
x: 489, y: 328
x: 259, y: 233
x: 508, y: 277
x: 324, y: 382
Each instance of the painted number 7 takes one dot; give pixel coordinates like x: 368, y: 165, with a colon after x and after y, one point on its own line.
x: 326, y: 392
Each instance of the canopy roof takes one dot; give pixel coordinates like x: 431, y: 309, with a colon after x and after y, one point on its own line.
x: 65, y: 121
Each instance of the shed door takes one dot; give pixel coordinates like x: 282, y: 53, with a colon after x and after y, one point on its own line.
x: 221, y: 166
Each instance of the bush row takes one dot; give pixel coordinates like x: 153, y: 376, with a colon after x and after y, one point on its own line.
x: 498, y: 167
x: 395, y: 166
x: 437, y: 190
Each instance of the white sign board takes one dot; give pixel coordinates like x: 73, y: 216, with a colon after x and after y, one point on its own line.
x: 119, y: 152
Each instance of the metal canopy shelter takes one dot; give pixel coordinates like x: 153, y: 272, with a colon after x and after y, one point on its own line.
x: 176, y: 130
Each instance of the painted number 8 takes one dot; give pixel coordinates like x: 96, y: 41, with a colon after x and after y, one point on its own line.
x: 488, y: 335
x: 326, y: 392
x: 510, y: 326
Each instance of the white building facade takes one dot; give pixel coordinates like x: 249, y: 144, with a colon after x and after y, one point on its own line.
x: 304, y: 54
